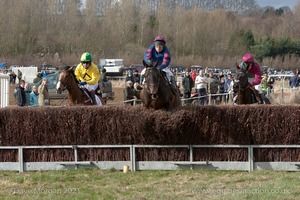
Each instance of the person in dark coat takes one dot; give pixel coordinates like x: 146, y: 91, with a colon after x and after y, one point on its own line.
x: 37, y: 78
x: 136, y: 77
x: 294, y: 81
x: 129, y: 77
x: 187, y: 84
x: 12, y: 77
x: 103, y: 77
x: 21, y: 97
x: 129, y: 93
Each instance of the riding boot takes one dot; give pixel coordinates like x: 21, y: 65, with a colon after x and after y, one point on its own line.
x: 261, y: 98
x: 173, y: 85
x: 93, y: 97
x: 235, y: 99
x: 173, y: 82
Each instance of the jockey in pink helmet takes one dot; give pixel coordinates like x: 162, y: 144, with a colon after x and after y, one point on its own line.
x: 254, y: 74
x: 252, y: 69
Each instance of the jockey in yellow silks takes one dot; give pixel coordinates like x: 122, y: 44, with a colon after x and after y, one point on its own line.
x: 88, y: 74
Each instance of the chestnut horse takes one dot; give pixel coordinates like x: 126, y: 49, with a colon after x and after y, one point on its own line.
x: 157, y: 92
x: 76, y: 94
x: 246, y: 95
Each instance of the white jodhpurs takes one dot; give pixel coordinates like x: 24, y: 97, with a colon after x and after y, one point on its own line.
x: 91, y: 87
x: 257, y: 87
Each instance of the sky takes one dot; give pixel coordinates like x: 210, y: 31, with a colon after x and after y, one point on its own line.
x: 277, y: 3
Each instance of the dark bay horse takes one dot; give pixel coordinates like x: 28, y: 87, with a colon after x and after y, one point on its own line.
x: 246, y: 95
x: 157, y: 92
x: 76, y: 95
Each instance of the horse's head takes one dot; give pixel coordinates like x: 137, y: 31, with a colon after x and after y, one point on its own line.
x: 240, y: 81
x: 152, y: 78
x: 65, y: 79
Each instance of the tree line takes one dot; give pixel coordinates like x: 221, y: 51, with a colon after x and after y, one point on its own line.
x: 39, y: 31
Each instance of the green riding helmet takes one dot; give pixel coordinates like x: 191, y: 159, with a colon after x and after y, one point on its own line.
x: 86, y: 57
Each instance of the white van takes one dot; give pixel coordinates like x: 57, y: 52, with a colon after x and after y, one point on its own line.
x: 114, y: 67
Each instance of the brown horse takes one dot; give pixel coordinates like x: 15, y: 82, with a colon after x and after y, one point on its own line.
x: 157, y: 92
x: 76, y: 95
x: 246, y: 95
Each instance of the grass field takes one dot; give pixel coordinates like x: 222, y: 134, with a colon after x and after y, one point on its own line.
x: 181, y: 184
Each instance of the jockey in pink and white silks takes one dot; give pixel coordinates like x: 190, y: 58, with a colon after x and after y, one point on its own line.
x: 252, y: 70
x: 158, y: 51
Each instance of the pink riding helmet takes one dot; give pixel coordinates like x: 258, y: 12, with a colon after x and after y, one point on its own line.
x: 160, y: 38
x: 248, y: 58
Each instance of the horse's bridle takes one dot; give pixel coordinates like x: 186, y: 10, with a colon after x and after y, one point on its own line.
x: 152, y: 84
x: 242, y: 86
x: 59, y: 82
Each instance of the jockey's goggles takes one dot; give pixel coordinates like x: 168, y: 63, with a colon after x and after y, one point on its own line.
x: 86, y: 62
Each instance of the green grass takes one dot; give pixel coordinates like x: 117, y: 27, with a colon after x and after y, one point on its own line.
x: 181, y: 184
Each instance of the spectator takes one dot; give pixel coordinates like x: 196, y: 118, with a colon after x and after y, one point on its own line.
x: 12, y: 77
x: 212, y: 86
x: 187, y: 84
x: 129, y: 77
x: 221, y: 75
x: 20, y: 93
x: 201, y: 84
x: 193, y: 74
x: 264, y: 84
x: 271, y: 81
x: 103, y: 77
x: 294, y: 81
x: 44, y: 74
x: 136, y: 77
x: 222, y: 90
x: 228, y: 87
x: 43, y: 93
x: 27, y: 93
x: 34, y: 96
x: 20, y: 74
x: 103, y: 83
x: 129, y: 93
x: 37, y: 78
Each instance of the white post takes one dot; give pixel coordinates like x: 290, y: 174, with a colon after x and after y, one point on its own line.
x: 4, y: 90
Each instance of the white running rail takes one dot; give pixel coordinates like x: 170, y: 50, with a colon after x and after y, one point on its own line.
x: 4, y: 90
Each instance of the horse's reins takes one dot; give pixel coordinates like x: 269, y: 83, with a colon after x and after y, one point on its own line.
x: 152, y: 84
x: 65, y: 85
x: 70, y: 87
x: 241, y: 89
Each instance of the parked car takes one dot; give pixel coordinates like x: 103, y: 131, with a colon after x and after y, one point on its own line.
x: 114, y: 67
